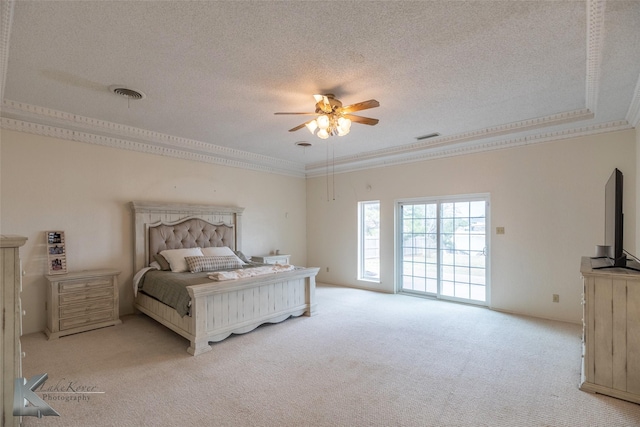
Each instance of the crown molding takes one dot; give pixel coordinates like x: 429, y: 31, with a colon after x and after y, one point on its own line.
x: 480, y: 134
x: 117, y: 132
x: 185, y: 149
x: 139, y: 146
x: 633, y: 114
x: 471, y: 148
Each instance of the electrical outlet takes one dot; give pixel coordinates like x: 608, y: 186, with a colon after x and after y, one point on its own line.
x: 499, y: 230
x: 556, y: 298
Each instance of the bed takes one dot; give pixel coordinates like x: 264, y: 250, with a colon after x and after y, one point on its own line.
x: 216, y: 309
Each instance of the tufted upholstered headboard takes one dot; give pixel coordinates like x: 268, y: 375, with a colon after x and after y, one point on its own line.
x: 189, y: 233
x: 160, y: 226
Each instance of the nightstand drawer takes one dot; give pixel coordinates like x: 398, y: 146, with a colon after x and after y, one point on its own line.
x: 86, y: 295
x: 87, y: 308
x: 88, y: 319
x: 84, y: 285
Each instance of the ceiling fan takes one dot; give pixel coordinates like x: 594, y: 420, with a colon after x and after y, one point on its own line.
x: 334, y: 119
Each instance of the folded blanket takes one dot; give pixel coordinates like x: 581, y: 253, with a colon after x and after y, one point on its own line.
x: 250, y: 272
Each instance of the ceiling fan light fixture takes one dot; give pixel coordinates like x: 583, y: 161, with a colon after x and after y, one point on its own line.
x: 312, y: 126
x: 344, y: 124
x: 323, y: 122
x: 322, y: 134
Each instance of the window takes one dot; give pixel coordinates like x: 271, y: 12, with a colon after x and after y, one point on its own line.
x: 369, y: 241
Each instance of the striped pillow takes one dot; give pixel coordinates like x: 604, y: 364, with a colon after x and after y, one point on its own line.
x: 211, y: 263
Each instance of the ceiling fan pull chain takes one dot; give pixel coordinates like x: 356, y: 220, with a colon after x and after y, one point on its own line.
x: 327, y: 171
x: 333, y: 170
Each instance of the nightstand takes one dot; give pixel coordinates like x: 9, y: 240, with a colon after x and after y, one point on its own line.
x: 81, y: 301
x: 272, y: 259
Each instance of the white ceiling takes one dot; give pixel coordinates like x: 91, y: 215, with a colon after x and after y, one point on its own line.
x: 483, y: 74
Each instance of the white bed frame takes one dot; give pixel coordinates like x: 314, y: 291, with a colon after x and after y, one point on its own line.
x: 220, y: 309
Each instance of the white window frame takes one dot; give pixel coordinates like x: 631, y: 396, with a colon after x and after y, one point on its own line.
x: 441, y: 199
x: 362, y: 271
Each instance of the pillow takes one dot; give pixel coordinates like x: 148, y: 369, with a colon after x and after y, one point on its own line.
x: 211, y: 263
x: 176, y: 260
x: 162, y: 262
x: 219, y: 251
x: 242, y: 256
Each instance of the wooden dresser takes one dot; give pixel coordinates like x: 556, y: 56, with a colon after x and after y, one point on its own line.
x: 81, y: 301
x: 11, y: 286
x: 611, y: 331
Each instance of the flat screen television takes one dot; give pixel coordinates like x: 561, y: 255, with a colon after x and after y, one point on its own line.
x: 614, y: 220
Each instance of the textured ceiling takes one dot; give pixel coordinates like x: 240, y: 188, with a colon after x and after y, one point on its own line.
x: 482, y: 74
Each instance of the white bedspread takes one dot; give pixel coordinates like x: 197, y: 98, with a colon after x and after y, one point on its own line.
x: 250, y: 272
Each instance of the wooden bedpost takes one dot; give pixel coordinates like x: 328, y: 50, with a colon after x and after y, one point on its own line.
x: 310, y: 297
x: 200, y: 341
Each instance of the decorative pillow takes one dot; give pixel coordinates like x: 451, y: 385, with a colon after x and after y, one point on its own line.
x: 242, y: 256
x: 176, y: 260
x: 220, y: 251
x: 211, y: 263
x: 162, y: 261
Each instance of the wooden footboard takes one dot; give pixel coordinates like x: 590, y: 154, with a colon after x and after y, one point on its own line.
x: 219, y: 309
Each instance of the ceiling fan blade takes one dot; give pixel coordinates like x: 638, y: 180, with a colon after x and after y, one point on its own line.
x: 298, y: 114
x: 299, y: 126
x: 361, y: 120
x: 372, y: 103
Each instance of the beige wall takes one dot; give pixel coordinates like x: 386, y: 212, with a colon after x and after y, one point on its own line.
x: 83, y: 189
x: 549, y: 197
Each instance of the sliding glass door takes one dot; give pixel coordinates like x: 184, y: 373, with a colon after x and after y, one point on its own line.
x: 443, y: 248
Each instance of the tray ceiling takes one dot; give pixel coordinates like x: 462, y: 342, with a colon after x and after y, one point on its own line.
x: 484, y: 75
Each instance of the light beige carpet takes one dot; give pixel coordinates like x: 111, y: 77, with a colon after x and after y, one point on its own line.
x: 366, y: 359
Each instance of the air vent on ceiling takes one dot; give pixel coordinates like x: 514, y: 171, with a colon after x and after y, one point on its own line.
x: 303, y: 144
x: 126, y: 92
x: 431, y: 135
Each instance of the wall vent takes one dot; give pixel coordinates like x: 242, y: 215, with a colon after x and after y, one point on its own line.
x: 431, y: 135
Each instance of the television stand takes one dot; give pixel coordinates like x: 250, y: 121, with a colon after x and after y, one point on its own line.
x: 607, y: 326
x: 602, y: 263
